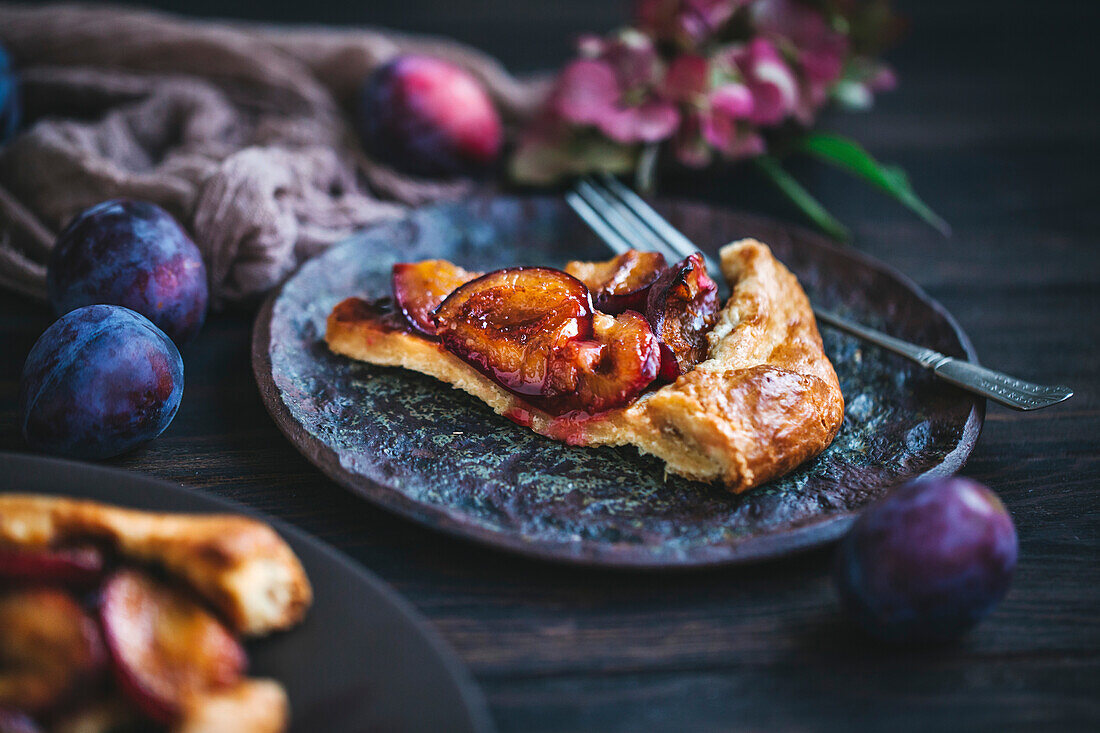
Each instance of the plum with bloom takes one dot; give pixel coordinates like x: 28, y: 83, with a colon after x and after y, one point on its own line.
x: 99, y: 382
x: 133, y: 254
x: 927, y: 562
x: 428, y: 117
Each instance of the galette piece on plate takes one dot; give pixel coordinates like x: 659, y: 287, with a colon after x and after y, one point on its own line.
x: 631, y: 351
x: 118, y: 619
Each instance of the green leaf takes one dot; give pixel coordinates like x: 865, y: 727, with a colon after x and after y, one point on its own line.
x: 802, y: 198
x: 852, y: 157
x: 541, y: 162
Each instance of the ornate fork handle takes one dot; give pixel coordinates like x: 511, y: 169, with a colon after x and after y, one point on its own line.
x: 999, y: 387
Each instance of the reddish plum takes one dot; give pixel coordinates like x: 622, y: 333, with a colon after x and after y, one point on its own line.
x: 100, y: 381
x: 134, y: 254
x: 428, y: 117
x: 163, y: 646
x: 928, y: 561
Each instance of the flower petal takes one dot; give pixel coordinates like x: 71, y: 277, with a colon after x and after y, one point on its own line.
x: 687, y: 78
x: 586, y: 91
x: 732, y: 100
x: 688, y: 144
x: 650, y: 122
x: 773, y: 86
x: 633, y: 57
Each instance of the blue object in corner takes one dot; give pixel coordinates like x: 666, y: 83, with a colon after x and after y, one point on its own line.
x: 10, y: 108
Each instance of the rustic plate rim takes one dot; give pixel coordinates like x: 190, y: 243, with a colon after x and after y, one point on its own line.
x: 588, y: 553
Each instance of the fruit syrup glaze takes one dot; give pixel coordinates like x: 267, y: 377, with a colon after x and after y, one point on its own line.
x: 571, y: 343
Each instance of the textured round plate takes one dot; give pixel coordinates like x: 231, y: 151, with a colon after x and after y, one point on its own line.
x: 442, y: 458
x: 362, y: 660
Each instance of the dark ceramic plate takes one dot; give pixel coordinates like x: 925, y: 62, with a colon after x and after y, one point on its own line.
x: 440, y: 457
x: 363, y: 659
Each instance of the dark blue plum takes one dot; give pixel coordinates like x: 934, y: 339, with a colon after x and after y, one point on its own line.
x: 428, y: 117
x: 130, y: 253
x: 10, y: 106
x: 100, y: 381
x: 927, y: 562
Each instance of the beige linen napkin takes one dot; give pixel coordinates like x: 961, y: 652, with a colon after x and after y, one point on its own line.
x: 241, y: 131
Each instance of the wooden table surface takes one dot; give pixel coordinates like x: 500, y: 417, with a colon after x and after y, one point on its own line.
x: 996, y: 122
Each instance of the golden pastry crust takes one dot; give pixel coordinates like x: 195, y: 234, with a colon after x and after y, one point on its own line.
x: 250, y: 706
x: 765, y: 399
x: 239, y: 565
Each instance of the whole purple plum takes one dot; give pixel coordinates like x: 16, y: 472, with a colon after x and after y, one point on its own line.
x: 927, y: 562
x: 428, y: 117
x: 130, y: 253
x: 100, y: 381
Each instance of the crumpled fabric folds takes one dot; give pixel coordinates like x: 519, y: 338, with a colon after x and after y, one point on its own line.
x: 240, y: 131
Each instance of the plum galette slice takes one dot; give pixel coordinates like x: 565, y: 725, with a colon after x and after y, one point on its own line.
x: 113, y: 618
x: 631, y: 351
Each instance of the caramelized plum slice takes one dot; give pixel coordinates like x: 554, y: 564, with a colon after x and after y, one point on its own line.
x: 164, y: 646
x: 682, y: 308
x: 670, y: 368
x: 49, y: 647
x: 621, y: 283
x: 511, y: 325
x: 79, y: 566
x: 419, y: 288
x: 617, y: 364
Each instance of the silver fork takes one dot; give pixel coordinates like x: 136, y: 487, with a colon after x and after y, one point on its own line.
x: 623, y: 220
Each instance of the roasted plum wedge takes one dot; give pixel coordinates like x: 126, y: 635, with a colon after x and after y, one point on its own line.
x: 512, y: 324
x: 616, y: 365
x: 682, y: 307
x: 73, y: 566
x: 533, y: 330
x: 49, y: 648
x: 164, y: 647
x: 419, y: 288
x: 621, y: 283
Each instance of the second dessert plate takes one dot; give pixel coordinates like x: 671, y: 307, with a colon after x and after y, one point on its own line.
x: 442, y: 458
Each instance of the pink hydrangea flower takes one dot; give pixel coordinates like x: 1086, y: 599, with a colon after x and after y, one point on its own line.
x: 717, y: 117
x: 615, y: 88
x: 726, y: 123
x: 709, y: 76
x: 687, y: 78
x: 686, y: 22
x: 774, y: 89
x: 819, y: 49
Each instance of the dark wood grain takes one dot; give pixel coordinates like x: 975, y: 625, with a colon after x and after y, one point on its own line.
x: 995, y: 120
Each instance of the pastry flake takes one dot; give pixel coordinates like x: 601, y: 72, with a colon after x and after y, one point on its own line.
x: 239, y: 565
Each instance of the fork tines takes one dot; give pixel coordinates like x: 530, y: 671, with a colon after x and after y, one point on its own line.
x: 623, y: 220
